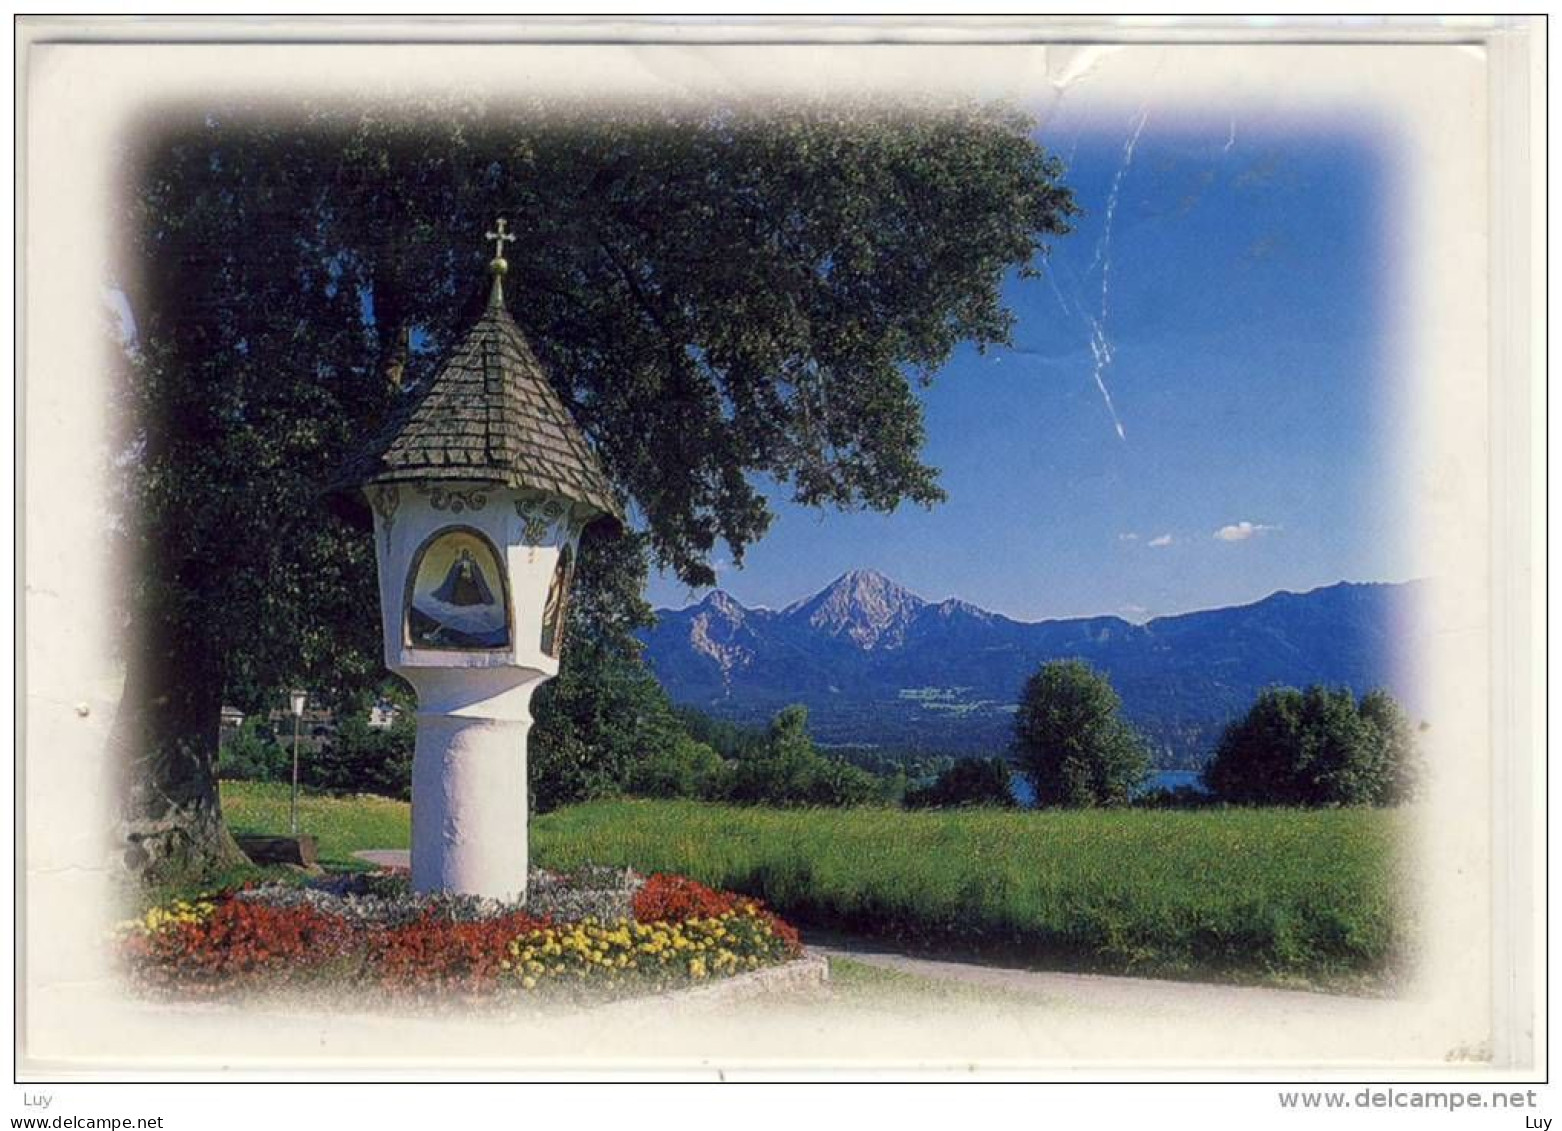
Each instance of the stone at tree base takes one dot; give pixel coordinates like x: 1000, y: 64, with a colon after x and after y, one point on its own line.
x: 174, y: 847
x: 300, y: 850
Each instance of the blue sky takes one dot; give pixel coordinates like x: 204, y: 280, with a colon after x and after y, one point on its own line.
x: 1246, y: 350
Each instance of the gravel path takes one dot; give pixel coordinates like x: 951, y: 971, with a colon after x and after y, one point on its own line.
x: 387, y: 857
x: 1167, y: 1018
x: 1142, y: 996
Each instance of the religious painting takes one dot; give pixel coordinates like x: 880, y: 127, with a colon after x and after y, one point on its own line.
x: 558, y: 599
x: 457, y: 598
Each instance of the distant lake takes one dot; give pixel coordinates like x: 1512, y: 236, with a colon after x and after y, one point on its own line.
x: 1161, y: 779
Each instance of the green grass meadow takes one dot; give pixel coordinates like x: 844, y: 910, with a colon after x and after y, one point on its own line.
x: 1274, y: 894
x: 341, y: 825
x: 1278, y: 895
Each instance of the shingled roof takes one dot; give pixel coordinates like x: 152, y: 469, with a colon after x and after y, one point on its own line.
x: 490, y: 415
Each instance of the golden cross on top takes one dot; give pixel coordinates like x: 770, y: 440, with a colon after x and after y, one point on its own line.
x: 499, y: 239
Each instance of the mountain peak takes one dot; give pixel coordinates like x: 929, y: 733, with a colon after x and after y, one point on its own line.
x: 865, y: 581
x: 719, y: 606
x: 721, y: 601
x: 862, y: 605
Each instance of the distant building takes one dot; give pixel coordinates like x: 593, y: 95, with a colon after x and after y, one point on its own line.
x: 383, y: 714
x: 316, y: 727
x: 231, y: 720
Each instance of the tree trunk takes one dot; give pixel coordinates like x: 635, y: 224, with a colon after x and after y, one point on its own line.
x: 394, y: 361
x: 393, y: 323
x: 165, y: 741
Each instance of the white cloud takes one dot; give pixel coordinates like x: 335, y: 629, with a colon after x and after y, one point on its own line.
x: 1129, y: 537
x: 1163, y: 540
x: 1242, y: 531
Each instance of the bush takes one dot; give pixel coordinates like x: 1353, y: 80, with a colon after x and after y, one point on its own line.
x: 364, y: 759
x: 789, y: 770
x: 970, y: 781
x: 837, y: 783
x: 728, y: 739
x: 1071, y: 741
x: 684, y: 768
x: 597, y: 722
x: 1316, y: 747
x: 253, y: 753
x: 1177, y: 797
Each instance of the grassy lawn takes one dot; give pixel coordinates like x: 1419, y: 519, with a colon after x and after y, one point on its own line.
x: 341, y: 824
x: 1279, y: 895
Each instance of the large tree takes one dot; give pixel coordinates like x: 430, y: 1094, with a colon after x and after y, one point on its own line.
x: 1316, y: 747
x: 720, y: 294
x: 1071, y: 740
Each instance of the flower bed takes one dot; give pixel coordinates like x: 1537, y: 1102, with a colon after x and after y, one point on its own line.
x: 598, y: 933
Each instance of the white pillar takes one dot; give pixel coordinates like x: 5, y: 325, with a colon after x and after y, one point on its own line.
x: 469, y: 813
x: 469, y: 806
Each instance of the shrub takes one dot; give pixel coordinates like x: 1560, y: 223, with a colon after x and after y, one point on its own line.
x: 252, y: 753
x: 360, y: 758
x: 789, y: 770
x: 970, y: 781
x: 836, y: 783
x: 683, y: 768
x: 597, y: 722
x: 1402, y: 771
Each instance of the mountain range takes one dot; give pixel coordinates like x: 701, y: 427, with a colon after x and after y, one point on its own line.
x: 879, y: 666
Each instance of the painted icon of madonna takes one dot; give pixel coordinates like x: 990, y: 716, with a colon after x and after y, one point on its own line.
x: 457, y: 597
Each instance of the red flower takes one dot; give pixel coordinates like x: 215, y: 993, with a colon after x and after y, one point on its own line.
x: 433, y: 953
x: 245, y: 943
x: 239, y: 940
x: 666, y: 898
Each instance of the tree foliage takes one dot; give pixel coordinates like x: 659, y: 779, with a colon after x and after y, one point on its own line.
x: 604, y: 714
x: 252, y: 753
x: 789, y: 770
x: 719, y: 294
x: 970, y: 781
x: 728, y: 739
x: 1402, y: 768
x: 1316, y: 747
x: 1071, y: 741
x: 684, y: 768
